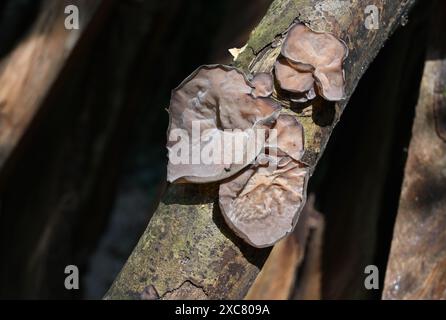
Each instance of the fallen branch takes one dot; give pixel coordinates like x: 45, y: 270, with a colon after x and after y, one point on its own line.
x: 187, y: 248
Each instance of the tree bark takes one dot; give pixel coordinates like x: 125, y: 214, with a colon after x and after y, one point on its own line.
x: 417, y: 261
x: 187, y: 248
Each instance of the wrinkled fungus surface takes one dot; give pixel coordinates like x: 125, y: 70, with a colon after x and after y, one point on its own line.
x: 291, y: 79
x: 211, y: 109
x: 321, y: 55
x: 261, y: 204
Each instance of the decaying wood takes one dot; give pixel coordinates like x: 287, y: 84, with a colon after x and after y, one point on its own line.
x: 29, y: 71
x: 417, y: 261
x: 359, y: 178
x: 186, y: 241
x: 308, y: 285
x: 277, y: 279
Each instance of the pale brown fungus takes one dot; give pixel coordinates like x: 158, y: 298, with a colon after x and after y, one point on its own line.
x: 291, y: 79
x: 289, y: 137
x: 322, y: 54
x: 204, y: 111
x: 263, y: 84
x: 261, y: 204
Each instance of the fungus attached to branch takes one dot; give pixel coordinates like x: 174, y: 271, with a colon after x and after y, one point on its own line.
x: 263, y: 84
x: 291, y: 79
x: 215, y: 114
x: 262, y: 203
x: 320, y: 55
x: 289, y: 137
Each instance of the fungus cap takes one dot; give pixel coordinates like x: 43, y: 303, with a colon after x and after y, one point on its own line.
x: 320, y: 53
x: 208, y: 111
x: 263, y: 84
x: 291, y: 79
x: 288, y: 136
x: 261, y: 204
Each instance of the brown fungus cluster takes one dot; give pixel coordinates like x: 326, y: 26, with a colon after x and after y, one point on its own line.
x: 310, y: 62
x: 261, y: 193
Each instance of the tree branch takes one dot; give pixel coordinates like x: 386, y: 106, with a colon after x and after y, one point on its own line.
x: 187, y: 241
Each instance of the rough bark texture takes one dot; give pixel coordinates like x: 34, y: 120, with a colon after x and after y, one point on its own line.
x: 417, y: 262
x: 186, y: 240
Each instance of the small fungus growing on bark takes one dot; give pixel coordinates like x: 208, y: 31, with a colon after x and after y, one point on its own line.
x: 263, y: 84
x: 312, y: 59
x: 261, y: 204
x: 291, y: 79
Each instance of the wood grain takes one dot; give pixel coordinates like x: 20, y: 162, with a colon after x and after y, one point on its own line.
x: 417, y: 262
x: 28, y: 73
